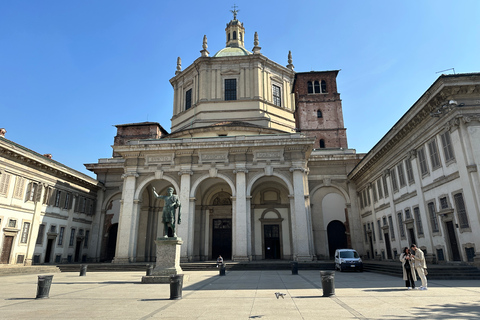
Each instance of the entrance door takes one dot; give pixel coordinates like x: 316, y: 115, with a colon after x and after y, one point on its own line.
x: 411, y: 234
x: 48, y: 252
x: 77, y: 250
x: 337, y: 238
x: 6, y: 249
x: 222, y: 238
x: 371, y: 247
x: 453, y: 241
x: 112, y: 242
x: 387, y: 246
x: 271, y: 239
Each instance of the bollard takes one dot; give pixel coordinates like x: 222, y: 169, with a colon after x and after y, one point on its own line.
x: 43, y: 286
x: 328, y: 283
x: 223, y: 267
x: 83, y: 270
x: 149, y: 269
x: 176, y: 284
x: 294, y: 267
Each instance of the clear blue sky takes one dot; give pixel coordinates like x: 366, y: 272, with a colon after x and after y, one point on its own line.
x: 70, y: 70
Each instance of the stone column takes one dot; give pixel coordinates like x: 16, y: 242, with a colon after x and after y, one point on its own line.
x: 97, y: 227
x: 240, y: 236
x: 301, y: 223
x: 191, y: 228
x: 127, y: 220
x: 184, y: 230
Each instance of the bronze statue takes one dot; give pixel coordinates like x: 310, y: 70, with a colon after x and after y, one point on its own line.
x: 168, y: 216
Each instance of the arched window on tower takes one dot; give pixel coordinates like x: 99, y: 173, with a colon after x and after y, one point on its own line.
x: 310, y: 87
x: 228, y: 37
x: 324, y: 86
x: 317, y: 87
x: 319, y: 114
x: 240, y: 36
x: 322, y: 144
x: 234, y: 35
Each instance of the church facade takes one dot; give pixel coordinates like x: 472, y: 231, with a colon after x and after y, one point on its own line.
x: 257, y: 155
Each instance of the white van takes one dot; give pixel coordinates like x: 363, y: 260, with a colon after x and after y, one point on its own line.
x: 348, y: 259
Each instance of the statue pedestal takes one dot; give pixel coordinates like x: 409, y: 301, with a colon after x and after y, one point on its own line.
x: 168, y: 261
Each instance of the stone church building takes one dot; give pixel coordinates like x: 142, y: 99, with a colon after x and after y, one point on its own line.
x: 257, y: 154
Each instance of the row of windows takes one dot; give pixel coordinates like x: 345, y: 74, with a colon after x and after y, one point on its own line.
x: 316, y: 86
x: 230, y: 94
x: 406, y: 215
x: 61, y: 234
x: 403, y: 171
x: 52, y: 196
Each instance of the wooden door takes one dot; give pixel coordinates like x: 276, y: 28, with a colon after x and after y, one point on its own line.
x: 6, y: 249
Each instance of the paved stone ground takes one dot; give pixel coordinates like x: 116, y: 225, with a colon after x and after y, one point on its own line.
x: 238, y: 295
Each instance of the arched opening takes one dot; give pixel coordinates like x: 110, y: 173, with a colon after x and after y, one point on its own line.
x: 309, y: 87
x: 228, y: 37
x: 234, y: 35
x: 337, y: 238
x: 111, y: 242
x: 322, y: 144
x: 324, y: 86
x: 317, y: 87
x: 319, y: 114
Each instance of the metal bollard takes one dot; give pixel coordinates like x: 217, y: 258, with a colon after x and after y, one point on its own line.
x: 43, y: 286
x: 223, y: 267
x: 149, y: 269
x: 83, y: 270
x: 176, y: 284
x: 294, y: 267
x: 328, y: 283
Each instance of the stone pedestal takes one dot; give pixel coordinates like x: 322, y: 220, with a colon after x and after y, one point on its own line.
x: 168, y: 260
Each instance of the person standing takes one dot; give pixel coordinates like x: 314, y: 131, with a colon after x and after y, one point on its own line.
x: 408, y: 268
x: 219, y: 261
x: 420, y: 265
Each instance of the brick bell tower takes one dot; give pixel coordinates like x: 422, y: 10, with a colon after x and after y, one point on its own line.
x: 318, y: 108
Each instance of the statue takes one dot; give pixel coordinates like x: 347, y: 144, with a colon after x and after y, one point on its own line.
x: 168, y: 216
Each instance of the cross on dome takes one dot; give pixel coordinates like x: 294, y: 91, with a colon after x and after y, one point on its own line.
x: 234, y: 11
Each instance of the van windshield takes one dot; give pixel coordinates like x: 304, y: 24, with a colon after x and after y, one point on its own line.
x: 348, y: 254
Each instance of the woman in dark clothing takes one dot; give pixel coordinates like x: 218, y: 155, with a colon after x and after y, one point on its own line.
x: 408, y: 270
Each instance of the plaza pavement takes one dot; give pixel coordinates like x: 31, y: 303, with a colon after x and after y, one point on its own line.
x: 238, y: 295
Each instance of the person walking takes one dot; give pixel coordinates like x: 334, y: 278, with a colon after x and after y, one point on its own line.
x: 420, y: 265
x: 408, y: 268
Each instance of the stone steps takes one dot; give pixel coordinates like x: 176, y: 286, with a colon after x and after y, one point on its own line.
x: 435, y: 272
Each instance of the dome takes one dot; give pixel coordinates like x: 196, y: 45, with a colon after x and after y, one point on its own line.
x: 232, y: 52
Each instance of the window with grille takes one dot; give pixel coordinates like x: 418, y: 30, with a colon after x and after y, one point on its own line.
x: 12, y: 223
x: 385, y: 186
x: 447, y: 146
x: 461, y: 211
x: 470, y: 253
x: 401, y: 175
x: 230, y: 89
x: 444, y: 203
x: 4, y: 183
x: 410, y: 176
x: 407, y: 214
x: 433, y: 217
x: 188, y: 99
x: 60, y: 236
x: 440, y: 255
x: 57, y: 198
x: 393, y: 176
x: 400, y: 225
x: 418, y: 221
x: 72, y: 237
x: 379, y: 188
x: 422, y: 161
x: 434, y: 158
x: 31, y: 191
x: 19, y: 187
x: 277, y: 95
x: 380, y: 236
x: 390, y: 223
x: 25, y: 230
